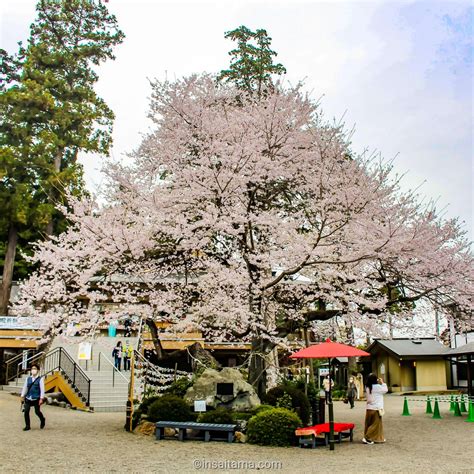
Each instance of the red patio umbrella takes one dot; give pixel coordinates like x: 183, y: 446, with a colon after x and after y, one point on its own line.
x: 328, y: 350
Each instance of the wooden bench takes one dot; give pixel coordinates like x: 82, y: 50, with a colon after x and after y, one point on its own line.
x: 307, y: 436
x: 207, y: 428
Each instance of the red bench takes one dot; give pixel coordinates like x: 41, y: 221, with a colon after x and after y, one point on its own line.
x: 307, y: 436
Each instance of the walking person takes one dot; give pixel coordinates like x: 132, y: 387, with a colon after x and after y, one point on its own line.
x: 374, y: 391
x: 117, y: 355
x: 327, y: 385
x: 127, y: 355
x: 351, y: 393
x: 32, y: 395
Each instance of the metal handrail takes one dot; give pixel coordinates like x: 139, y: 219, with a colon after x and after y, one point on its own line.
x: 114, y: 369
x: 18, y: 356
x: 22, y: 371
x: 77, y: 377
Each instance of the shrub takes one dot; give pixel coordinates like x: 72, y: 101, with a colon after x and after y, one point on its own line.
x: 146, y: 402
x: 170, y: 408
x: 285, y: 401
x: 242, y: 415
x: 261, y: 408
x: 246, y: 415
x: 179, y: 387
x: 219, y: 415
x: 137, y: 414
x: 299, y: 401
x: 275, y: 427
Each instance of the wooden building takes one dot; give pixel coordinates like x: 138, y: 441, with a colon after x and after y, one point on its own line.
x: 410, y: 364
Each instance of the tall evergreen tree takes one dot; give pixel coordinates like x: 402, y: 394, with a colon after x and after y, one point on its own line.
x: 49, y: 112
x: 252, y: 66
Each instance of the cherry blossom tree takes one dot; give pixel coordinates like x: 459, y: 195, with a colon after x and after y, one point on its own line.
x: 248, y: 217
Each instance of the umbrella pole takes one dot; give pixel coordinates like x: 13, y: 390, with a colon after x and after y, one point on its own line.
x: 331, y: 412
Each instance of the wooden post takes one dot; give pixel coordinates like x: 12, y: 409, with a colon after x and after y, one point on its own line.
x: 469, y: 376
x: 129, y: 417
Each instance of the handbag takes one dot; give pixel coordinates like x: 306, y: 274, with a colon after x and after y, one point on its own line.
x: 345, y: 400
x: 381, y: 412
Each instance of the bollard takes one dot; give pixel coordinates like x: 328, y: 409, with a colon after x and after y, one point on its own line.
x: 462, y: 406
x: 470, y: 416
x: 436, y: 414
x: 406, y: 412
x: 457, y: 411
x: 429, y: 409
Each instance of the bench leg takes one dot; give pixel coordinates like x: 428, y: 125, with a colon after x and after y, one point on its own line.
x: 351, y: 436
x: 159, y: 433
x: 326, y: 439
x: 339, y: 437
x: 230, y: 436
x: 182, y: 434
x: 207, y: 436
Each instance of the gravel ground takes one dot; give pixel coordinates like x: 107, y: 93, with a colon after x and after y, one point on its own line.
x: 85, y: 442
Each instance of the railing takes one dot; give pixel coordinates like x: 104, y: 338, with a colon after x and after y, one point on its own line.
x: 160, y: 378
x: 59, y: 359
x: 114, y: 369
x: 18, y: 365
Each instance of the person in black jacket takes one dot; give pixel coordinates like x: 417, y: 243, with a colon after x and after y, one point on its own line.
x: 32, y: 395
x: 351, y: 393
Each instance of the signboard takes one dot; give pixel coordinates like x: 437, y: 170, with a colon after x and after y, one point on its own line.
x: 199, y: 405
x: 323, y: 371
x: 85, y: 351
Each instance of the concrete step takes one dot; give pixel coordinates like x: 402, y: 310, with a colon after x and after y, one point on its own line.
x: 112, y: 409
x: 108, y: 400
x: 12, y: 389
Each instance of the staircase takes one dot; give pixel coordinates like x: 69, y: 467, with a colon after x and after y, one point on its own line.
x: 109, y: 387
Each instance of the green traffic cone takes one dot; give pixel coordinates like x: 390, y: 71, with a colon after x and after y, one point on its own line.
x: 457, y: 411
x: 429, y: 409
x: 470, y: 416
x: 462, y: 406
x: 451, y: 405
x: 406, y: 411
x: 436, y: 414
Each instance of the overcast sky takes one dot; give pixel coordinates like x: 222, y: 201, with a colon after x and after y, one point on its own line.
x: 401, y: 72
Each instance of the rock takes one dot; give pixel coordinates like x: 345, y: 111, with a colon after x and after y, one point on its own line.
x: 170, y: 432
x: 243, y: 397
x: 62, y: 404
x: 242, y: 425
x: 240, y: 437
x: 146, y: 428
x: 49, y: 400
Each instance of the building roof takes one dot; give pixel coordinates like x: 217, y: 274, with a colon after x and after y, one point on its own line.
x: 462, y: 350
x: 411, y: 347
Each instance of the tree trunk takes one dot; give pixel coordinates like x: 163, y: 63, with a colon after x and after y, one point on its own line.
x: 8, y: 269
x: 156, y: 338
x: 52, y: 194
x: 258, y: 367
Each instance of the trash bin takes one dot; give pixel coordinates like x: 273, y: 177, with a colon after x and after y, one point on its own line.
x: 112, y: 330
x: 319, y: 411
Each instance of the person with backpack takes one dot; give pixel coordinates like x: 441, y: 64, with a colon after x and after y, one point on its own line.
x: 32, y: 395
